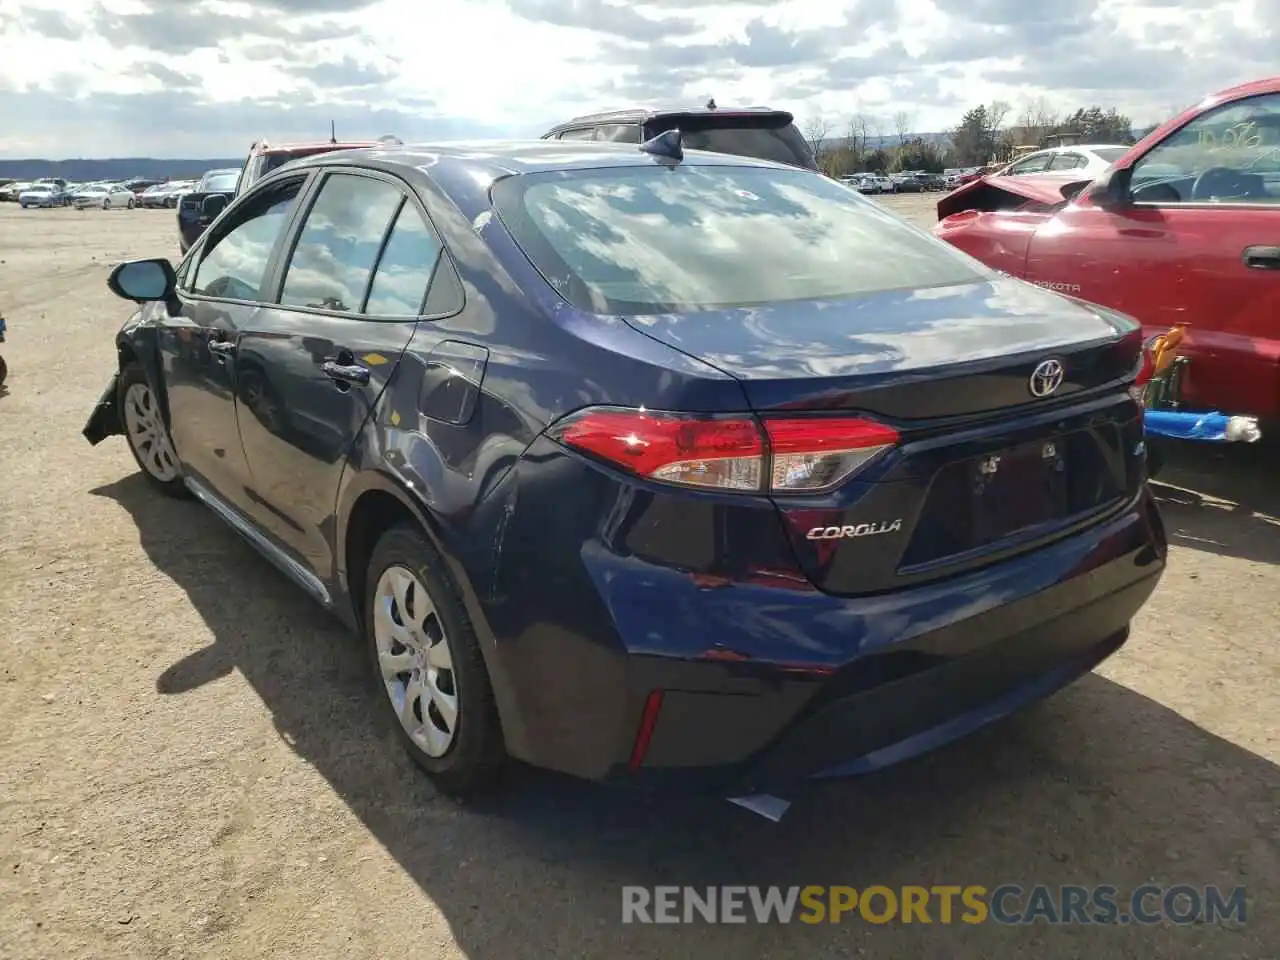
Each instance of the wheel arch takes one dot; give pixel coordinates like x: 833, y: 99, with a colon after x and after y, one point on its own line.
x: 370, y: 502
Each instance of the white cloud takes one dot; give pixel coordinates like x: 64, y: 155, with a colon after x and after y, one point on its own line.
x: 131, y: 77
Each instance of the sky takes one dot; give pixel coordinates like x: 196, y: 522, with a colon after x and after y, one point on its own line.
x: 205, y: 78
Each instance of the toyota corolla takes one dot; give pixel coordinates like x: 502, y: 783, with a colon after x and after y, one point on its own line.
x: 631, y: 462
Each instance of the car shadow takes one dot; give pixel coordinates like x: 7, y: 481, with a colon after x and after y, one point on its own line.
x: 1099, y: 785
x: 1222, y: 498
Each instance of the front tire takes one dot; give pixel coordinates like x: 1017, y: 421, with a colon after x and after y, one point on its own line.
x: 428, y: 665
x: 146, y: 433
x: 130, y: 205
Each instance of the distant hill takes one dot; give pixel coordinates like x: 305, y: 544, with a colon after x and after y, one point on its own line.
x: 117, y: 168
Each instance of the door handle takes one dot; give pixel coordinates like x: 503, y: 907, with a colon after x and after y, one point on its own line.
x: 223, y: 348
x: 345, y: 372
x: 1262, y: 258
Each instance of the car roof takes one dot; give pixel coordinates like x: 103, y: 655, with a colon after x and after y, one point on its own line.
x: 641, y: 114
x: 263, y: 146
x: 461, y: 173
x: 499, y: 158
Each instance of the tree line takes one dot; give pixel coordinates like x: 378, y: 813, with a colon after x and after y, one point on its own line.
x: 983, y: 136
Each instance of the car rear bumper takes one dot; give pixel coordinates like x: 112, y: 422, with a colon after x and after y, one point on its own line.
x: 764, y: 684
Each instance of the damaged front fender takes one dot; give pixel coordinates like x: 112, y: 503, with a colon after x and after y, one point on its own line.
x: 105, y: 420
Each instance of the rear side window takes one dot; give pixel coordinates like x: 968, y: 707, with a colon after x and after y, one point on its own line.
x: 619, y: 132
x: 405, y: 267
x: 339, y: 243
x: 765, y: 139
x: 220, y: 182
x: 650, y: 239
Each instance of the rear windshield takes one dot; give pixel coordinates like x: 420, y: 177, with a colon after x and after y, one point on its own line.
x: 654, y: 239
x: 1111, y: 154
x: 766, y: 139
x: 220, y: 182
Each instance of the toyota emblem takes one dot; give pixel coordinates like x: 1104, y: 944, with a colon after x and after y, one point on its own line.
x: 1046, y: 378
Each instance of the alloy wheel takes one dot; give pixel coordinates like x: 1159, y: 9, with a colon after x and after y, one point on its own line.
x: 147, y: 433
x: 415, y: 660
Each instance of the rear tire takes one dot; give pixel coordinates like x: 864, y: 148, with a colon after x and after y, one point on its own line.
x: 146, y: 433
x: 441, y: 702
x: 4, y: 371
x: 131, y: 203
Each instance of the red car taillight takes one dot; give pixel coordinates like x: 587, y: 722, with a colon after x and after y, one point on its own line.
x: 732, y: 453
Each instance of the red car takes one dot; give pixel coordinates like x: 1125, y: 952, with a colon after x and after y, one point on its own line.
x: 1185, y: 228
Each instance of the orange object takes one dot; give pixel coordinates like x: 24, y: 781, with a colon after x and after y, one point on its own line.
x: 1165, y: 348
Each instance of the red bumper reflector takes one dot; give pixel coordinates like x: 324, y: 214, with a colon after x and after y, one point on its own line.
x: 648, y: 720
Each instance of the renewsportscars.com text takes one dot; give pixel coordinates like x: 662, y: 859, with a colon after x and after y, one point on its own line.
x: 1004, y: 904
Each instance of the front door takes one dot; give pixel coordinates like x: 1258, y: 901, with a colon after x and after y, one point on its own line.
x: 1199, y: 244
x: 313, y: 364
x: 218, y: 297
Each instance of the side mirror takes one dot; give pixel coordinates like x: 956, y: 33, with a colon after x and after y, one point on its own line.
x: 143, y: 281
x: 212, y: 206
x: 1111, y: 190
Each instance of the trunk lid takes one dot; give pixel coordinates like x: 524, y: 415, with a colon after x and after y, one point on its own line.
x: 1010, y: 193
x: 920, y: 354
x: 985, y: 468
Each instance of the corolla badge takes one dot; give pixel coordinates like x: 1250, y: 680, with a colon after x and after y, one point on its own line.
x: 1046, y: 378
x: 855, y: 530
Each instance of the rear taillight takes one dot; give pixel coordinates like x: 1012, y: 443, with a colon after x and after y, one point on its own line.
x: 734, y: 452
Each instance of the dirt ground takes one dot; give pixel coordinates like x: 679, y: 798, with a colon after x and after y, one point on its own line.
x: 192, y: 768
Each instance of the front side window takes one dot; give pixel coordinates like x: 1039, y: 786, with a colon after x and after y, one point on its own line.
x: 1227, y: 155
x: 582, y: 133
x: 644, y: 239
x: 338, y: 245
x: 234, y: 263
x: 405, y: 267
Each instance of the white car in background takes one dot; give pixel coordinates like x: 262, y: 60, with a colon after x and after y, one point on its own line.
x: 42, y: 195
x: 106, y: 196
x: 1089, y: 160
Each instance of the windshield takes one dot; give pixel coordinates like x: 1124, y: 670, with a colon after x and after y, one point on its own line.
x: 1111, y: 154
x: 224, y: 181
x: 651, y: 239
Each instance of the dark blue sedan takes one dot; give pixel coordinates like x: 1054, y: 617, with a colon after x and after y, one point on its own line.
x: 637, y: 463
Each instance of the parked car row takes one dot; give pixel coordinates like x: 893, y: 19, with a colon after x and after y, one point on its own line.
x: 57, y: 192
x: 905, y: 182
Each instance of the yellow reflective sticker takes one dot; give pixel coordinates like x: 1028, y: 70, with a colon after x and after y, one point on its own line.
x: 374, y: 359
x: 395, y: 418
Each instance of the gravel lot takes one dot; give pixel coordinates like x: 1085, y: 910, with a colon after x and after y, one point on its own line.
x: 191, y: 767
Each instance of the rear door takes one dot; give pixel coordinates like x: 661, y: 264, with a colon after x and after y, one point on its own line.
x: 313, y: 364
x: 1207, y: 255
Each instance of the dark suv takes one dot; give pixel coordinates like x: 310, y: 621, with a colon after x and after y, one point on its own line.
x: 757, y: 132
x: 217, y: 188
